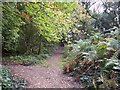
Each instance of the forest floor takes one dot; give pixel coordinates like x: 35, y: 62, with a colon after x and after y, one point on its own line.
x: 47, y: 75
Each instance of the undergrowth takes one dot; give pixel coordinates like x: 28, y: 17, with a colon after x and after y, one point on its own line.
x: 94, y: 62
x: 26, y: 59
x: 10, y: 82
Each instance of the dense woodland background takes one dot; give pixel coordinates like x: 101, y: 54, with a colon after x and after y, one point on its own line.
x: 91, y: 39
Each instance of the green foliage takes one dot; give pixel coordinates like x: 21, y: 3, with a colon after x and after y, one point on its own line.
x: 28, y: 27
x: 26, y: 43
x: 83, y: 44
x: 6, y: 76
x: 114, y: 43
x: 95, y: 62
x: 82, y: 22
x: 8, y: 81
x: 10, y: 26
x: 101, y: 48
x: 26, y: 59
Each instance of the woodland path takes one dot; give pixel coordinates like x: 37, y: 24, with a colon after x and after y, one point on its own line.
x: 47, y: 75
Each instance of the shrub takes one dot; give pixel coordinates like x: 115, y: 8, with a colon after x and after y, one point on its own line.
x: 8, y: 81
x: 94, y: 64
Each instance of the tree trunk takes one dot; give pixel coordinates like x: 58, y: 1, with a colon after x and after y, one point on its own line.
x: 39, y: 50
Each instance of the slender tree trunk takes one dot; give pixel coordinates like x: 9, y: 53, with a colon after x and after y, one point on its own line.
x: 39, y: 50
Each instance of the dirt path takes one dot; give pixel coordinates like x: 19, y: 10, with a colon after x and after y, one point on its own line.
x: 48, y: 75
